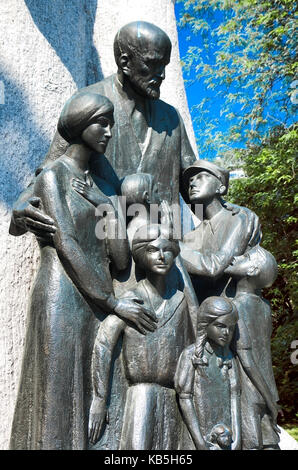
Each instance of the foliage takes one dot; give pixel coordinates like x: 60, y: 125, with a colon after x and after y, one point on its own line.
x: 285, y: 372
x: 293, y: 431
x: 246, y: 58
x: 270, y: 190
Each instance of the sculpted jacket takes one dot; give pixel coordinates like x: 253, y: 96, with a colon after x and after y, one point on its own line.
x: 209, y: 249
x: 165, y: 152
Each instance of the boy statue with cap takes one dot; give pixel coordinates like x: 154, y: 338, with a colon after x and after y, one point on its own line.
x: 225, y: 231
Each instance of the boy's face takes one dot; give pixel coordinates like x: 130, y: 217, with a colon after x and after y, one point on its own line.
x: 221, y: 330
x: 158, y: 257
x: 203, y: 187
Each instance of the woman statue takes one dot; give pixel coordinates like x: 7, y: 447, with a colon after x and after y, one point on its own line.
x: 73, y: 288
x: 207, y: 379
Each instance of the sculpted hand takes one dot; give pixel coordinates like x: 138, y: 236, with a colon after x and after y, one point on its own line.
x: 88, y: 192
x: 167, y: 219
x: 132, y: 310
x: 97, y: 418
x: 31, y: 217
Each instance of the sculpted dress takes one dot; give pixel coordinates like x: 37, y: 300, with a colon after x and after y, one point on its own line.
x: 72, y: 289
x: 151, y: 419
x: 214, y: 388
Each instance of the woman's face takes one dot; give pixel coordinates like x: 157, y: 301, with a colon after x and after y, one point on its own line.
x: 98, y: 134
x: 221, y: 330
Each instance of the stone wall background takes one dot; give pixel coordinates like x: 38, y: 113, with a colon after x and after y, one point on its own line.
x: 48, y: 49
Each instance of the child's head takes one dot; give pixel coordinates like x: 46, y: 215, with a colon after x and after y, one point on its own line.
x: 151, y: 252
x: 140, y: 188
x: 257, y: 265
x: 217, y: 318
x: 221, y: 435
x: 205, y: 181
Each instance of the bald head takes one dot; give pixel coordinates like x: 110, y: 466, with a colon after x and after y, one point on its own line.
x: 142, y: 51
x: 140, y: 36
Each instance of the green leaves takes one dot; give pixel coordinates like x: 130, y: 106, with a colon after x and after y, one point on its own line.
x: 247, y: 51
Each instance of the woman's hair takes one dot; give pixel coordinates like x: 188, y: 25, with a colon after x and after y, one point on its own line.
x: 80, y: 111
x: 210, y: 310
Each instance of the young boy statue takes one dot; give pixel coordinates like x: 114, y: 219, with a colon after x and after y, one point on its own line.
x: 253, y: 271
x: 151, y: 417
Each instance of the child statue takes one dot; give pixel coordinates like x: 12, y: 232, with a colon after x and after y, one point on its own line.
x: 220, y: 438
x: 253, y: 271
x: 151, y: 416
x: 207, y: 378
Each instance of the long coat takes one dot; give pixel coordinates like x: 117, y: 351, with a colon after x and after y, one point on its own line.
x: 53, y: 400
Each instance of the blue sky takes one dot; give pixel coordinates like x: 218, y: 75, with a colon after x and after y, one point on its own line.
x: 197, y: 90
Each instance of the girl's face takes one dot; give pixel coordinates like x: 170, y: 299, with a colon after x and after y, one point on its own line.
x: 158, y: 257
x: 221, y: 330
x: 98, y: 134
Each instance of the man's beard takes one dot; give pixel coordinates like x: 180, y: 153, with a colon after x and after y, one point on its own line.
x: 150, y: 90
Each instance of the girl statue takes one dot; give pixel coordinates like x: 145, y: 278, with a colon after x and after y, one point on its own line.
x: 207, y: 380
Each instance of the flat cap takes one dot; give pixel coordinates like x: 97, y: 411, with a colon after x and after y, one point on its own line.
x: 206, y: 165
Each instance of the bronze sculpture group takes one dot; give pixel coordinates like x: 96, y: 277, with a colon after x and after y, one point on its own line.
x: 142, y: 341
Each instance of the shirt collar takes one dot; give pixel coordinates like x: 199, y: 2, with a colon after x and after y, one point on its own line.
x: 215, y: 221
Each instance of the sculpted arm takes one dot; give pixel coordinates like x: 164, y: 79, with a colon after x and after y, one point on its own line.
x: 106, y: 340
x: 184, y: 384
x: 256, y: 377
x: 117, y: 237
x: 115, y: 227
x: 50, y: 188
x: 243, y: 347
x: 27, y: 215
x: 96, y: 286
x: 213, y: 264
x: 235, y: 407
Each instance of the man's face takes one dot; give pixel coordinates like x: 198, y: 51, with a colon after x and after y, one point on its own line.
x: 202, y: 187
x: 147, y: 70
x: 158, y: 257
x: 221, y: 330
